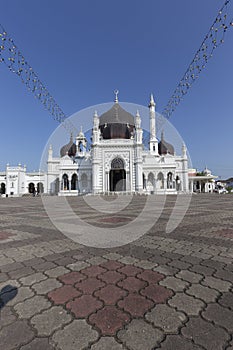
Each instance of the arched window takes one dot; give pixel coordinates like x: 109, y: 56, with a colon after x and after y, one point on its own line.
x: 65, y: 181
x: 151, y: 182
x: 169, y: 180
x: 160, y: 181
x: 31, y: 187
x: 74, y: 182
x: 178, y: 183
x: 40, y: 187
x: 3, y: 188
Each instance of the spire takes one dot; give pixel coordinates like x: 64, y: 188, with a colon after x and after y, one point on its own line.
x: 116, y: 92
x: 152, y: 102
x: 162, y: 135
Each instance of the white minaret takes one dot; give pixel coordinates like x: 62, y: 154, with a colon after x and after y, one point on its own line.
x: 138, y: 153
x: 153, y: 139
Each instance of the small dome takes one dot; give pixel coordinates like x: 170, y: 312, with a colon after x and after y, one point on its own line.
x: 165, y: 147
x: 69, y: 149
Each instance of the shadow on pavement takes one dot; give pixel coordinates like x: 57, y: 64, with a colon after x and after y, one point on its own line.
x: 7, y: 293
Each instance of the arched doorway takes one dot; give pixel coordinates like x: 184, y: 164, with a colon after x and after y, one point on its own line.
x: 31, y: 187
x: 160, y: 181
x: 117, y: 175
x: 74, y: 182
x: 151, y: 182
x: 3, y: 188
x: 40, y: 187
x: 65, y: 182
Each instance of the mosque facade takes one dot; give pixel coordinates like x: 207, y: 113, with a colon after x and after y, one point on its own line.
x: 116, y: 162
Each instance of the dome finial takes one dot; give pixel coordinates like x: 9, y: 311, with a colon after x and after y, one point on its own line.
x: 116, y: 92
x: 152, y: 102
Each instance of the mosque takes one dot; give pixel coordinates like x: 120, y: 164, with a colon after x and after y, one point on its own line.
x: 117, y: 161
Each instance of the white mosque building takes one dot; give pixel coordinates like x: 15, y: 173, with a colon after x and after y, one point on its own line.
x: 117, y: 161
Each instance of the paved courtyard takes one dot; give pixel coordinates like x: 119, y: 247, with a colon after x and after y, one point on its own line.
x: 163, y: 291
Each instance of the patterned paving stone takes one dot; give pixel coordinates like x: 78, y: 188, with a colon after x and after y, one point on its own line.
x: 219, y: 315
x: 63, y: 294
x: 226, y: 300
x: 203, y: 270
x: 34, y: 278
x: 78, y: 266
x: 158, y: 294
x: 146, y: 264
x: 21, y: 272
x: 57, y: 271
x: 112, y: 265
x: 206, y: 294
x: 89, y: 285
x: 166, y: 318
x: 140, y: 335
x: 50, y: 320
x: 72, y: 277
x: 174, y: 283
x: 77, y: 335
x: 6, y: 316
x: 111, y: 277
x: 150, y: 276
x: 13, y: 336
x: 12, y: 267
x: 109, y: 320
x: 132, y: 284
x: 135, y: 304
x: 189, y: 276
x: 93, y: 271
x: 38, y: 344
x: 110, y: 294
x: 212, y: 282
x: 23, y: 293
x: 186, y: 303
x: 205, y: 334
x: 31, y: 307
x: 46, y: 286
x: 84, y: 305
x: 173, y: 342
x: 130, y: 270
x: 128, y: 260
x: 107, y: 343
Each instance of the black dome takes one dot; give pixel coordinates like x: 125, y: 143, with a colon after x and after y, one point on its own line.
x: 165, y: 147
x: 116, y: 123
x: 69, y: 149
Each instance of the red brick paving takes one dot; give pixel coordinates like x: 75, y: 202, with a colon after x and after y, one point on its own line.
x: 84, y: 306
x: 136, y: 304
x: 110, y: 294
x: 151, y: 276
x: 130, y: 270
x: 63, y: 294
x: 72, y: 277
x: 89, y: 285
x: 93, y: 271
x: 112, y: 265
x: 132, y: 284
x: 109, y: 320
x: 112, y: 277
x: 158, y: 294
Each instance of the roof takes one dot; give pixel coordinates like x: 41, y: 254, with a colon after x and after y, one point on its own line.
x: 117, y: 115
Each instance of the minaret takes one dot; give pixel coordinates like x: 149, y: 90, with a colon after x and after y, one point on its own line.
x: 153, y: 139
x: 81, y: 143
x: 96, y: 159
x: 138, y: 153
x: 95, y: 131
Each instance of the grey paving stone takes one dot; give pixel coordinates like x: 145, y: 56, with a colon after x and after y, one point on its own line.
x: 57, y: 271
x: 140, y: 335
x: 38, y: 344
x: 205, y: 334
x: 216, y: 283
x: 14, y: 335
x: 34, y: 278
x: 189, y: 276
x: 46, y: 286
x: 174, y: 283
x: 219, y: 315
x: 31, y: 307
x: 107, y: 343
x: 79, y: 265
x: 186, y: 303
x: 77, y: 335
x: 166, y: 318
x: 50, y: 320
x: 204, y: 293
x: 23, y: 293
x: 6, y: 316
x: 174, y: 342
x: 226, y: 300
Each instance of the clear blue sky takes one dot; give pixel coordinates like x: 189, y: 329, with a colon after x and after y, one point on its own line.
x: 84, y: 49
